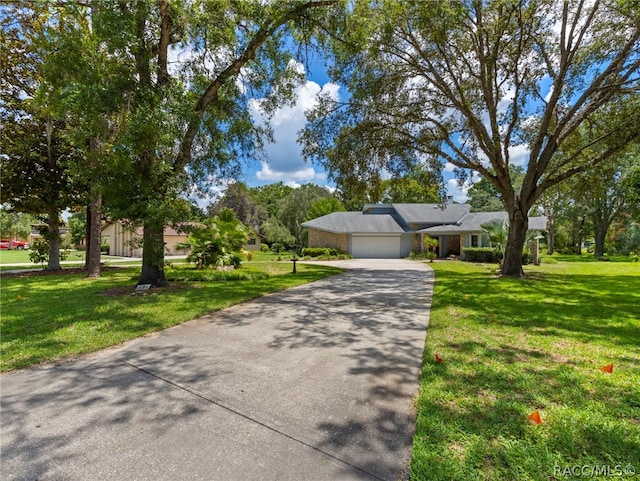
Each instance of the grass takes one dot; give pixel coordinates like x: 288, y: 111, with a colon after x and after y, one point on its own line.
x: 510, y: 347
x: 52, y: 317
x: 19, y: 259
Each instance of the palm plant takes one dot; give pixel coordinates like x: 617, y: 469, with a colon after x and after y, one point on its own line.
x: 218, y: 242
x: 498, y: 232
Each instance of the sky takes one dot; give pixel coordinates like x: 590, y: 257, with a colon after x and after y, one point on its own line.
x: 283, y: 161
x: 283, y: 158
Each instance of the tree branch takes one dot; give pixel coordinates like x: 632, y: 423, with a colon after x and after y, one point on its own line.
x: 211, y: 93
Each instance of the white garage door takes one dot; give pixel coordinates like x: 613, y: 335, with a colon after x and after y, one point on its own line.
x: 381, y: 247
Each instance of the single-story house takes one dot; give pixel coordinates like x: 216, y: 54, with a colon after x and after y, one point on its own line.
x: 396, y: 230
x: 126, y: 242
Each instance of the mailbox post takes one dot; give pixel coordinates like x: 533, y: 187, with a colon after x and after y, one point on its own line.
x: 294, y: 259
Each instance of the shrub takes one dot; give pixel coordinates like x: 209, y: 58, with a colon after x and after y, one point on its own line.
x: 191, y: 274
x: 104, y: 248
x: 320, y: 252
x: 315, y: 251
x: 430, y: 255
x: 39, y: 253
x: 218, y: 242
x: 481, y: 254
x: 489, y: 255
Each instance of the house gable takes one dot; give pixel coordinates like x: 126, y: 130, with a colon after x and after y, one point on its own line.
x: 421, y: 216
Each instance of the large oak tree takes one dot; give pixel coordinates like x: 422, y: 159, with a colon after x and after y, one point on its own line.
x: 194, y: 67
x: 473, y: 82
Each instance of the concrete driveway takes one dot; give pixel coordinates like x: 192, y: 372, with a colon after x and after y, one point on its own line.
x: 313, y: 383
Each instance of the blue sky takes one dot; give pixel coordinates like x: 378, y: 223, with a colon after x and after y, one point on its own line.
x: 283, y: 159
x: 284, y: 162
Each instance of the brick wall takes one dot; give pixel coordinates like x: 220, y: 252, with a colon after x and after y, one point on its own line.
x: 319, y: 238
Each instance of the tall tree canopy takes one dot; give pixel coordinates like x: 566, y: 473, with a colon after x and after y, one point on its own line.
x: 185, y: 74
x: 246, y: 208
x: 484, y: 197
x: 473, y: 83
x: 294, y: 209
x: 38, y: 152
x: 605, y: 194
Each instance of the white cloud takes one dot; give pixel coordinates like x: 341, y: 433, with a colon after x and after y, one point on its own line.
x: 457, y: 191
x: 203, y: 198
x: 519, y: 154
x: 302, y: 173
x: 284, y: 162
x: 548, y: 96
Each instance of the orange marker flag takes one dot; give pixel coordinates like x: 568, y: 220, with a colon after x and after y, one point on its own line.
x: 608, y: 368
x: 535, y: 417
x: 438, y: 359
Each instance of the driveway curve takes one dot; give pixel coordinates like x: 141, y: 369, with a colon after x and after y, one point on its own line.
x: 312, y: 383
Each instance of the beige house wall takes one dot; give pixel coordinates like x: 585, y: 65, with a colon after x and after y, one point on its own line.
x: 170, y: 243
x: 318, y: 238
x: 253, y: 243
x: 416, y: 243
x: 127, y: 243
x: 122, y: 241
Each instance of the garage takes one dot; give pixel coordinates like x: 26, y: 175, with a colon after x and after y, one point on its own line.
x: 375, y: 246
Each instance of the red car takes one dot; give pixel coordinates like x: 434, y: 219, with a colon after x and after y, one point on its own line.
x: 13, y: 244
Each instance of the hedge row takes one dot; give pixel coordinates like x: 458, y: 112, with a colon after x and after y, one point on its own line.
x: 320, y: 251
x: 481, y: 254
x: 488, y: 255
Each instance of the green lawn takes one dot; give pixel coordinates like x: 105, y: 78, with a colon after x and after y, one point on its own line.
x: 21, y: 257
x: 510, y: 347
x: 46, y: 318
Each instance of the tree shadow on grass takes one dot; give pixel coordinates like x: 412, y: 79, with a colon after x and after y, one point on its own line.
x: 476, y: 421
x: 572, y: 306
x: 509, y: 352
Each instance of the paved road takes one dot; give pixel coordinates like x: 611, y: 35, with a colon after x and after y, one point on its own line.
x: 313, y: 383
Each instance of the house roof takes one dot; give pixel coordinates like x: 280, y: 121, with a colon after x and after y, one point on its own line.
x: 472, y: 222
x: 453, y: 219
x: 431, y: 213
x: 355, y: 223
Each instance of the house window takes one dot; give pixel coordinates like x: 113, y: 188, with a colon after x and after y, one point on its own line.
x: 251, y: 241
x: 474, y: 241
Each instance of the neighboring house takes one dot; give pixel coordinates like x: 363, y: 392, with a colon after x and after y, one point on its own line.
x: 35, y: 232
x: 125, y: 242
x: 396, y: 230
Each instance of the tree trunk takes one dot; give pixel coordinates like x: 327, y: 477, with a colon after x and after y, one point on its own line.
x: 578, y: 236
x: 54, y: 239
x: 518, y: 225
x: 95, y: 237
x: 600, y: 235
x: 153, y: 255
x: 551, y: 234
x: 87, y: 237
